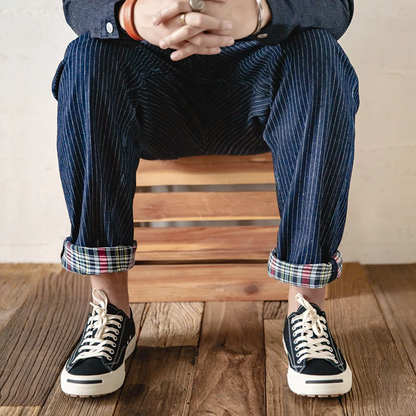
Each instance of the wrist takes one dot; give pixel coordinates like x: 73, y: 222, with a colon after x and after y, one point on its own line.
x: 127, y: 19
x: 121, y: 16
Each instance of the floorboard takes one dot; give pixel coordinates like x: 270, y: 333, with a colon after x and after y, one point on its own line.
x: 395, y: 290
x: 383, y: 379
x: 36, y: 340
x: 230, y: 372
x: 218, y: 358
x: 161, y: 376
x: 17, y: 283
x: 20, y: 410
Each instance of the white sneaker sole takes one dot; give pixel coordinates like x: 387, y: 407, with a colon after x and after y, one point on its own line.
x: 321, y: 386
x: 98, y: 385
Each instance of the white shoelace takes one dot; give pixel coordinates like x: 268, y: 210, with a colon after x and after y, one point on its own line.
x: 102, y: 343
x: 305, y: 326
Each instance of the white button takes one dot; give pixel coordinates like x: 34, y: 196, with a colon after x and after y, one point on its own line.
x: 109, y: 27
x: 262, y: 35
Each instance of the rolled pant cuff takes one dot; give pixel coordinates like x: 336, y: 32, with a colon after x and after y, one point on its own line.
x: 305, y: 275
x: 97, y: 260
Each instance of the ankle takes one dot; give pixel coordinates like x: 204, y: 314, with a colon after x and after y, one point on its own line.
x: 316, y: 296
x: 115, y: 287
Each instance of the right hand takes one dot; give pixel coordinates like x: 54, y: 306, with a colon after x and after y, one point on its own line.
x: 145, y: 10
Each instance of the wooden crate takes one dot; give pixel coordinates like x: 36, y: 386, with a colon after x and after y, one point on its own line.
x: 203, y: 262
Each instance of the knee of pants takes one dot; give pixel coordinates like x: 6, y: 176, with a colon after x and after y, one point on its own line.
x: 317, y: 53
x: 89, y: 65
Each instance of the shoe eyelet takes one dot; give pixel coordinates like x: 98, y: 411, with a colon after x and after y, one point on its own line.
x: 117, y: 331
x: 119, y: 326
x: 330, y: 349
x: 121, y: 318
x: 111, y: 351
x: 296, y: 348
x: 115, y: 338
x: 293, y: 328
x: 114, y: 345
x: 297, y: 354
x: 298, y: 361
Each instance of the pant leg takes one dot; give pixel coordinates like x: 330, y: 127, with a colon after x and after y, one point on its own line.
x: 310, y: 131
x: 114, y: 107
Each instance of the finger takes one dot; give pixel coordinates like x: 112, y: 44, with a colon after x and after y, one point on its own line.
x: 180, y: 35
x: 211, y: 41
x: 173, y: 10
x: 193, y: 50
x: 207, y: 22
x: 170, y: 11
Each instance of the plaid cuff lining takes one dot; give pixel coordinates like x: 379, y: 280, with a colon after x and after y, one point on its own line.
x: 97, y: 260
x: 305, y: 275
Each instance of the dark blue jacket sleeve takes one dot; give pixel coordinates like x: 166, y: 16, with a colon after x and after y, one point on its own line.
x: 98, y: 17
x: 293, y: 16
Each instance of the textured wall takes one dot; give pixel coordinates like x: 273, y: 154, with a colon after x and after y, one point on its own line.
x: 381, y: 226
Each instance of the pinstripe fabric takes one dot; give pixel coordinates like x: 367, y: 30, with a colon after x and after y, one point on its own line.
x: 119, y: 102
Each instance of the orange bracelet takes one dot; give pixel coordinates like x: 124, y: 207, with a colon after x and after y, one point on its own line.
x: 128, y: 17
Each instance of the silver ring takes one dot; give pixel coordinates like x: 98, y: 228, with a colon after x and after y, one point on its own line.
x: 196, y: 5
x: 182, y: 19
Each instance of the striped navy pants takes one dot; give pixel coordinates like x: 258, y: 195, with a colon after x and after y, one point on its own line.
x: 122, y: 101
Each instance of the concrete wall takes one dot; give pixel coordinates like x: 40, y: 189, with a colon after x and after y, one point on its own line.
x: 381, y: 226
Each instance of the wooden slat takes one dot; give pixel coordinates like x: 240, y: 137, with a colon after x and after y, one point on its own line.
x: 207, y: 170
x: 395, y: 289
x: 230, y: 372
x: 204, y: 282
x: 59, y: 403
x: 161, y: 377
x: 280, y: 400
x: 205, y: 243
x: 37, y: 340
x: 205, y: 206
x: 383, y: 379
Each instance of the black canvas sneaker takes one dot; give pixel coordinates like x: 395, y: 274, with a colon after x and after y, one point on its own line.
x: 316, y: 365
x: 96, y: 366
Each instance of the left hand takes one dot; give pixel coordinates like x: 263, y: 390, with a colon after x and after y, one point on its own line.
x: 241, y: 13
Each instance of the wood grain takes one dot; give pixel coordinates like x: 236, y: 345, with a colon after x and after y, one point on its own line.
x: 59, y: 403
x: 207, y: 170
x: 17, y: 283
x: 383, y: 380
x: 161, y: 377
x: 280, y: 400
x: 395, y: 290
x: 274, y: 310
x: 205, y: 206
x: 204, y: 282
x: 36, y: 341
x: 230, y: 373
x: 205, y: 243
x: 20, y: 410
x: 171, y: 324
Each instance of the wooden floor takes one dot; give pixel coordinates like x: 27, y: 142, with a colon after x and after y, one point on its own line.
x: 212, y: 358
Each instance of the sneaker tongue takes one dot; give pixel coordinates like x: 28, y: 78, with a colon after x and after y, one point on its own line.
x: 302, y: 309
x: 111, y: 309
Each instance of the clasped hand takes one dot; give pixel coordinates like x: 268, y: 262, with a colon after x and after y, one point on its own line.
x: 218, y: 24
